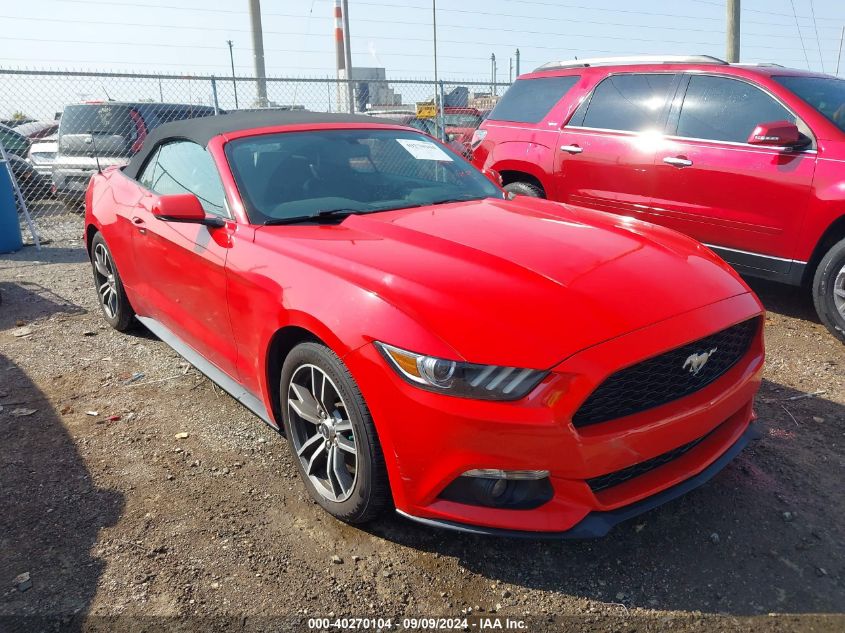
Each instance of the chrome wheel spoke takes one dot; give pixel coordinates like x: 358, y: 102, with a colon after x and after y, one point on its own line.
x: 311, y: 466
x: 314, y: 443
x: 341, y: 474
x: 305, y: 405
x: 345, y: 444
x: 100, y: 261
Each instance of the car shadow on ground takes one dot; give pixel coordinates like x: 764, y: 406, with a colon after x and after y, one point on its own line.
x: 739, y: 544
x: 790, y: 301
x: 50, y: 254
x: 27, y: 301
x: 52, y: 512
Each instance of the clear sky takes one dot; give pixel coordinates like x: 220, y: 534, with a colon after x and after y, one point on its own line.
x: 189, y: 36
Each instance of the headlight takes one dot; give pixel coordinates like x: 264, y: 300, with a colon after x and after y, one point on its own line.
x: 465, y: 380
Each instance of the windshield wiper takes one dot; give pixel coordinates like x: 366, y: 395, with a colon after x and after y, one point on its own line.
x: 458, y: 199
x: 334, y: 213
x: 314, y: 217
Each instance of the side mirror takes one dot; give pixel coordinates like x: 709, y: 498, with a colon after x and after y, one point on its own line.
x: 776, y: 134
x: 184, y: 207
x: 495, y: 176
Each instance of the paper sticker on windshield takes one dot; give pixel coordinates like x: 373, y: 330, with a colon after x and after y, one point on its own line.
x: 423, y: 150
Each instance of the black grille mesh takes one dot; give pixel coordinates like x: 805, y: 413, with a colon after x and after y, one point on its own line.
x: 621, y: 476
x: 664, y: 378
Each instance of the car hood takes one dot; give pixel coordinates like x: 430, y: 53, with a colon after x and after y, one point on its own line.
x: 521, y: 282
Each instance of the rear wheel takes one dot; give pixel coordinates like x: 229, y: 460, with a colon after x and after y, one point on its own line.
x: 829, y: 290
x: 525, y: 189
x: 331, y: 435
x: 110, y: 293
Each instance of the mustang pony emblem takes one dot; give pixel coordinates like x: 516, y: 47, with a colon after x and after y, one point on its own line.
x: 696, y: 362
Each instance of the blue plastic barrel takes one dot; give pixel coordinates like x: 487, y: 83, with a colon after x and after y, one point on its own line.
x: 10, y: 228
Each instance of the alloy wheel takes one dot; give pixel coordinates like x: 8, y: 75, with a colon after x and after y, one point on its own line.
x: 323, y: 435
x: 839, y: 291
x: 106, y: 281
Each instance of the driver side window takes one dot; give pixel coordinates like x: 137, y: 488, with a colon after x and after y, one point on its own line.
x: 185, y: 167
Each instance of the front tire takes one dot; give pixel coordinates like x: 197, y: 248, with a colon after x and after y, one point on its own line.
x: 114, y: 304
x: 525, y: 189
x: 331, y: 435
x: 829, y: 290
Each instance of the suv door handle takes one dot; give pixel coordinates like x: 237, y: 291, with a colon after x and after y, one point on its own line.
x: 571, y: 149
x: 677, y: 161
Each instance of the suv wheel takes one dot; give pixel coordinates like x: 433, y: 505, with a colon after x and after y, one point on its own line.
x: 525, y: 189
x: 331, y: 435
x: 829, y: 290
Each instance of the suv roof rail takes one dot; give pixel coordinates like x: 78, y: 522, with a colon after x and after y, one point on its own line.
x: 760, y: 64
x: 632, y: 59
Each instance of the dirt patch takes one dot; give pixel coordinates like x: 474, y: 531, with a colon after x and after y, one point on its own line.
x: 137, y: 489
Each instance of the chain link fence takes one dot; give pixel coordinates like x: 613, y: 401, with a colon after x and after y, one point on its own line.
x: 58, y: 125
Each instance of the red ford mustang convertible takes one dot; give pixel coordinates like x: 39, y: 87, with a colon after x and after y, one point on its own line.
x: 482, y: 363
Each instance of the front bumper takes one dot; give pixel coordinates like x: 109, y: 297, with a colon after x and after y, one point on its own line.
x: 599, y: 523
x: 429, y: 439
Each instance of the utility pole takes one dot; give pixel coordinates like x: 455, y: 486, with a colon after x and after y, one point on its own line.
x: 510, y: 70
x: 733, y: 31
x: 517, y: 62
x: 493, y: 74
x: 839, y: 56
x: 258, y: 51
x: 441, y: 119
x: 347, y: 40
x: 234, y: 81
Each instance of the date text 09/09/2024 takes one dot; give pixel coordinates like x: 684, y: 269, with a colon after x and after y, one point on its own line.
x: 487, y: 623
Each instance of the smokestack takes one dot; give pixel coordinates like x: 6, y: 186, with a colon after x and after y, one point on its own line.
x: 340, y: 56
x: 347, y: 43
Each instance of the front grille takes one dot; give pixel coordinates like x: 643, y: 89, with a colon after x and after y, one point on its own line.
x: 621, y: 476
x: 667, y: 377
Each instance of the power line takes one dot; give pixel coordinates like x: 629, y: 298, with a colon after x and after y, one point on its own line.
x: 816, y: 28
x: 800, y: 36
x: 382, y: 37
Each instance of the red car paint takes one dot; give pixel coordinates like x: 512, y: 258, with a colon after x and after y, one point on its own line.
x: 769, y: 212
x: 523, y: 282
x: 461, y: 123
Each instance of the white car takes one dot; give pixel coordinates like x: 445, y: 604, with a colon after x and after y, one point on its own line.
x: 42, y: 154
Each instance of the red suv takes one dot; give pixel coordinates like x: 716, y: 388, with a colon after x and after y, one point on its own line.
x: 748, y: 159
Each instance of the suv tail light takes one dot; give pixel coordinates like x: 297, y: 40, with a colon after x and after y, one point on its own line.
x: 477, y: 137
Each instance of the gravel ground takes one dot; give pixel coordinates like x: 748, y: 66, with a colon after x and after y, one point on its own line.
x: 132, y: 488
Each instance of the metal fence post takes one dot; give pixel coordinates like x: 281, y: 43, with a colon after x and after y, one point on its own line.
x: 441, y: 112
x: 20, y: 201
x: 214, y: 94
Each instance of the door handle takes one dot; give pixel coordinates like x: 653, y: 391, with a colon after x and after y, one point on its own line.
x: 571, y: 149
x: 677, y: 161
x: 139, y: 224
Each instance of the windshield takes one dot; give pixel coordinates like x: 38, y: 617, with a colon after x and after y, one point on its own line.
x: 825, y: 94
x: 300, y: 174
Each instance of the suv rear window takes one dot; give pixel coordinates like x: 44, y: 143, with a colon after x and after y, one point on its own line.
x: 529, y: 100
x: 105, y: 119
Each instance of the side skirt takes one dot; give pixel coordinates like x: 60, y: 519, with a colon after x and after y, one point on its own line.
x: 217, y: 376
x: 789, y: 271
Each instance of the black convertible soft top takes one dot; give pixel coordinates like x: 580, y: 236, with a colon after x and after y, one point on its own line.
x: 202, y: 130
